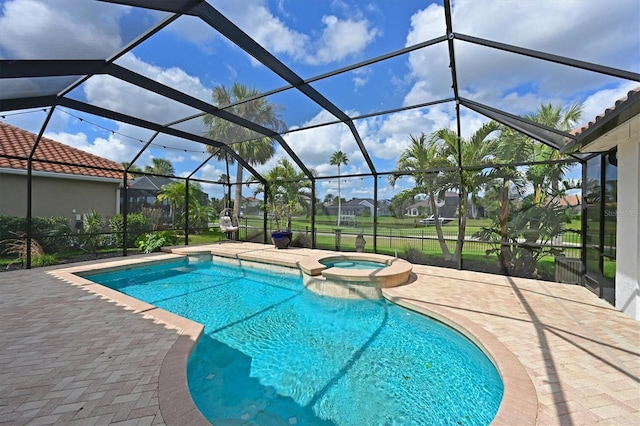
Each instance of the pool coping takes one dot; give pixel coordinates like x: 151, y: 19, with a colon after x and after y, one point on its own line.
x: 519, y: 403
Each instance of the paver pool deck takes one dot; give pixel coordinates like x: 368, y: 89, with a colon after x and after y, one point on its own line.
x: 72, y: 352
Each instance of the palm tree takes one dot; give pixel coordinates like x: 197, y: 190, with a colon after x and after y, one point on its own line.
x: 337, y: 159
x: 254, y: 150
x: 422, y: 155
x: 289, y: 191
x: 538, y: 218
x: 160, y: 166
x: 550, y: 175
x: 175, y: 194
x: 505, y: 184
x: 199, y: 214
x: 133, y: 169
x: 477, y: 151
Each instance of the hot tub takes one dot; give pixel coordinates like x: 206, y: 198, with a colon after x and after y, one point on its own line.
x: 354, y: 275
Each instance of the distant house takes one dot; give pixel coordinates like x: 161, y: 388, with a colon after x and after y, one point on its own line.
x: 59, y: 187
x: 422, y: 208
x: 143, y: 192
x: 250, y: 206
x: 572, y: 201
x: 359, y: 207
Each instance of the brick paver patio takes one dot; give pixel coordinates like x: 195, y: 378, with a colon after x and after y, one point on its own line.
x: 72, y: 352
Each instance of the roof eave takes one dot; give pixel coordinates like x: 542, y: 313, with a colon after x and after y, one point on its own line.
x: 56, y: 175
x: 610, y: 121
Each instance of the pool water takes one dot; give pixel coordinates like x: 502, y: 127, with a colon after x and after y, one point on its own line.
x: 354, y: 264
x: 274, y: 353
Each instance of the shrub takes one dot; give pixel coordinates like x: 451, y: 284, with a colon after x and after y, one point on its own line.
x: 10, y: 225
x: 53, y: 233
x: 137, y: 224
x: 154, y: 241
x: 92, y: 237
x: 18, y: 246
x: 300, y: 240
x: 415, y: 256
x: 44, y: 260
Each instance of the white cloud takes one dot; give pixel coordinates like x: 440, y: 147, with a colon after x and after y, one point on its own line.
x: 117, y: 95
x: 342, y: 38
x: 597, y: 103
x: 112, y: 148
x: 31, y: 29
x: 211, y: 172
x: 194, y: 30
x: 426, y: 24
x: 110, y: 90
x: 339, y: 38
x: 315, y: 146
x: 598, y: 33
x: 361, y: 77
x: 253, y: 17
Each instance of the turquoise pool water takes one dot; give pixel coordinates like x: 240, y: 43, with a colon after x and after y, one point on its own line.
x: 274, y: 353
x: 354, y: 264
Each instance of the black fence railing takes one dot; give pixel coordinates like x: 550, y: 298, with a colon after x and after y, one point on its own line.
x: 419, y: 244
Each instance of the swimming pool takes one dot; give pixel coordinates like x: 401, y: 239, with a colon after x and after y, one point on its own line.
x: 274, y: 353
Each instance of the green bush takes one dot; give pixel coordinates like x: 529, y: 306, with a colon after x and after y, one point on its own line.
x: 44, y: 260
x: 11, y: 224
x: 137, y: 224
x: 154, y: 241
x: 53, y: 233
x: 92, y: 237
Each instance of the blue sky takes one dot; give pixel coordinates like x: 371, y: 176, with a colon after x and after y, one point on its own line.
x: 312, y: 38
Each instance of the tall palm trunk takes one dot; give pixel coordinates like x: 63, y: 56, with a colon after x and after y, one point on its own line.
x: 462, y: 213
x: 238, y: 195
x: 339, y: 199
x: 505, y: 255
x: 438, y: 225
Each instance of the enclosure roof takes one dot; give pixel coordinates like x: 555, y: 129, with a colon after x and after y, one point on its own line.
x: 458, y: 70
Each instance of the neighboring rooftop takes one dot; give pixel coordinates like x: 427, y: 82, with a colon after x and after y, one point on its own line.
x: 150, y: 183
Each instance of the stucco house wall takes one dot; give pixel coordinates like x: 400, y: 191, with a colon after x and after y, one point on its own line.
x: 58, y: 195
x: 628, y: 230
x: 66, y: 181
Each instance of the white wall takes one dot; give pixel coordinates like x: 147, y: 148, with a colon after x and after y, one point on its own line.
x: 628, y: 227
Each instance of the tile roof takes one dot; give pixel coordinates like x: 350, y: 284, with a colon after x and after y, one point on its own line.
x: 567, y: 200
x: 608, y: 113
x: 16, y: 145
